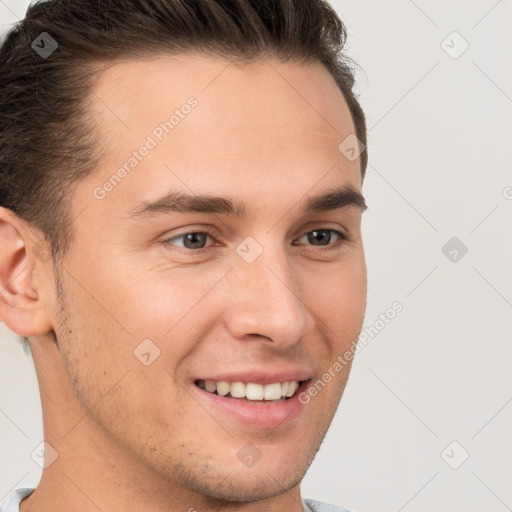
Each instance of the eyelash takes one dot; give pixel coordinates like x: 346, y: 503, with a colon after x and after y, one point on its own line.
x: 342, y: 238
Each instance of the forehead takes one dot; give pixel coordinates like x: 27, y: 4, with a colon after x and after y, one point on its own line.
x: 268, y: 82
x: 250, y: 123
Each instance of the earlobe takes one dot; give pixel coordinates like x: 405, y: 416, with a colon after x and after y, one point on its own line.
x: 21, y: 308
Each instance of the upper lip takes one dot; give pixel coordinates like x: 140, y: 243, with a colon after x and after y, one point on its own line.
x: 259, y: 376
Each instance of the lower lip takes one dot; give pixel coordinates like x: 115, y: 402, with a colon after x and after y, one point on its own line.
x: 271, y: 415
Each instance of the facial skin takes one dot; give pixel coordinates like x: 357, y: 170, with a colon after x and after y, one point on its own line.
x: 135, y: 437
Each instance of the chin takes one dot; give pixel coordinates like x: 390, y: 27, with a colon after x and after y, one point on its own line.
x: 260, y: 485
x: 231, y: 481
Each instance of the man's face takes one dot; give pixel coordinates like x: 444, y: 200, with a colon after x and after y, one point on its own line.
x: 272, y: 294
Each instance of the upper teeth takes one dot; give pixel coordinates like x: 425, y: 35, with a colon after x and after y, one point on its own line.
x: 251, y: 390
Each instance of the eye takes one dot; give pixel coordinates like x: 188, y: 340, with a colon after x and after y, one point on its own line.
x: 323, y: 237
x: 198, y: 240
x: 194, y: 240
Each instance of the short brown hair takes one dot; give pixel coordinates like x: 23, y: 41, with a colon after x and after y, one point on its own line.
x: 47, y: 138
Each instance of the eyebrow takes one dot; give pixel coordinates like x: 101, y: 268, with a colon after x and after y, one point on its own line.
x: 181, y: 202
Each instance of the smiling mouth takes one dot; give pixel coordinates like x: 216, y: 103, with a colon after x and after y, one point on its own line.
x: 252, y: 391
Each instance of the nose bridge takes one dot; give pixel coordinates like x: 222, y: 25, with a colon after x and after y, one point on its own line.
x: 266, y: 300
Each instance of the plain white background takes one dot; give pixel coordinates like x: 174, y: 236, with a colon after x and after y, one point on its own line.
x: 433, y: 386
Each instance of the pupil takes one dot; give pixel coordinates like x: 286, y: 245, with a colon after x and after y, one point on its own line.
x: 321, y: 236
x: 195, y: 240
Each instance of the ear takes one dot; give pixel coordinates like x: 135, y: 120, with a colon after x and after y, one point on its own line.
x: 21, y: 285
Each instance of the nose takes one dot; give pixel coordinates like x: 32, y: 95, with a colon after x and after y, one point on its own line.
x: 265, y: 302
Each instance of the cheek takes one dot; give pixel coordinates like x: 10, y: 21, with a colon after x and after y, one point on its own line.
x: 156, y: 302
x: 124, y: 307
x: 109, y: 377
x: 340, y: 301
x: 96, y: 343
